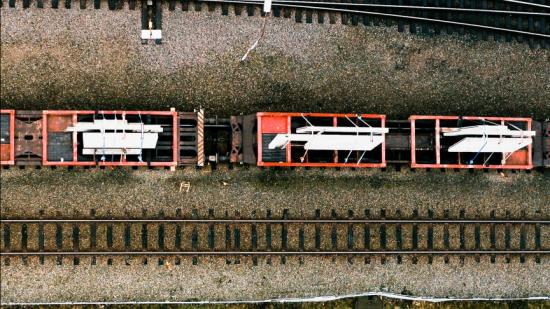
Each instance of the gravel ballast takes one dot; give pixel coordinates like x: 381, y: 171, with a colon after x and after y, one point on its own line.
x: 123, y: 192
x: 72, y: 58
x: 213, y: 279
x: 127, y: 193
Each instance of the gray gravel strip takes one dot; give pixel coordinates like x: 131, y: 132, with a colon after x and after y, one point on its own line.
x: 213, y: 279
x: 93, y: 58
x: 123, y: 192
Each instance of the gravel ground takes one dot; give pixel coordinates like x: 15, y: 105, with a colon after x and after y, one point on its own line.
x: 93, y: 59
x: 214, y: 279
x: 120, y: 192
x: 123, y: 192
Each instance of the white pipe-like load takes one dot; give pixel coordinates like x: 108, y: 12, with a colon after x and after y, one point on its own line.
x: 487, y: 130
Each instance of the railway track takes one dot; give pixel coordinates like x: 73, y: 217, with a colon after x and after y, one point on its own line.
x: 501, y: 20
x: 353, y: 236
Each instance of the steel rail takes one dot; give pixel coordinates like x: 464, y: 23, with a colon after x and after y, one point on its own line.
x: 413, y: 7
x: 528, y: 3
x: 277, y: 221
x: 426, y: 19
x: 267, y: 253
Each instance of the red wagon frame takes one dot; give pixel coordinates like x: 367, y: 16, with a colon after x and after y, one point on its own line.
x: 74, y: 115
x: 437, y: 119
x: 335, y: 117
x: 11, y: 160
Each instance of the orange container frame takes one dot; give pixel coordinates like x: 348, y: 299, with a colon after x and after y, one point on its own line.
x: 280, y: 122
x: 73, y: 116
x: 519, y: 162
x: 9, y: 148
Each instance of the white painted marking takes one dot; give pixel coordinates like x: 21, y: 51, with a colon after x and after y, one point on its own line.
x: 151, y: 34
x: 267, y: 6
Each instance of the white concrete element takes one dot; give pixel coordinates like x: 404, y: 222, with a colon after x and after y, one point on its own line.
x: 281, y: 140
x: 490, y: 144
x: 310, y: 129
x: 329, y: 142
x: 155, y: 34
x: 344, y: 142
x: 500, y: 130
x: 116, y: 125
x: 95, y: 151
x: 100, y: 140
x: 508, y: 141
x: 267, y: 6
x: 116, y: 136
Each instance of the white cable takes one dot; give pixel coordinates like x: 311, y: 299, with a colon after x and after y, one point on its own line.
x: 258, y: 40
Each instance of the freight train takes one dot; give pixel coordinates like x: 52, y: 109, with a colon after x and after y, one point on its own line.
x: 270, y: 139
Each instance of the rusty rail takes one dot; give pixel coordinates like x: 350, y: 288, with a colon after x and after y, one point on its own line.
x: 275, y: 253
x: 279, y: 221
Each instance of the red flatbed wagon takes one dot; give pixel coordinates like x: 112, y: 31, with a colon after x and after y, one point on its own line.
x: 471, y: 142
x: 7, y: 137
x: 110, y: 138
x: 270, y: 139
x: 321, y: 140
x: 102, y: 138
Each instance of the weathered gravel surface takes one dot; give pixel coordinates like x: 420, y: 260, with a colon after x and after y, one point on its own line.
x: 94, y: 59
x: 121, y: 192
x: 214, y: 279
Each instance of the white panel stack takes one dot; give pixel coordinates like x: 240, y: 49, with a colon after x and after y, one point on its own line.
x: 371, y: 138
x: 120, y: 140
x: 508, y: 141
x: 116, y: 136
x: 489, y: 144
x: 115, y: 125
x: 311, y: 129
x: 344, y: 142
x: 486, y: 130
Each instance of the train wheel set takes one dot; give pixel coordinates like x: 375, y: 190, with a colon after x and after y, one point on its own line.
x: 270, y: 139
